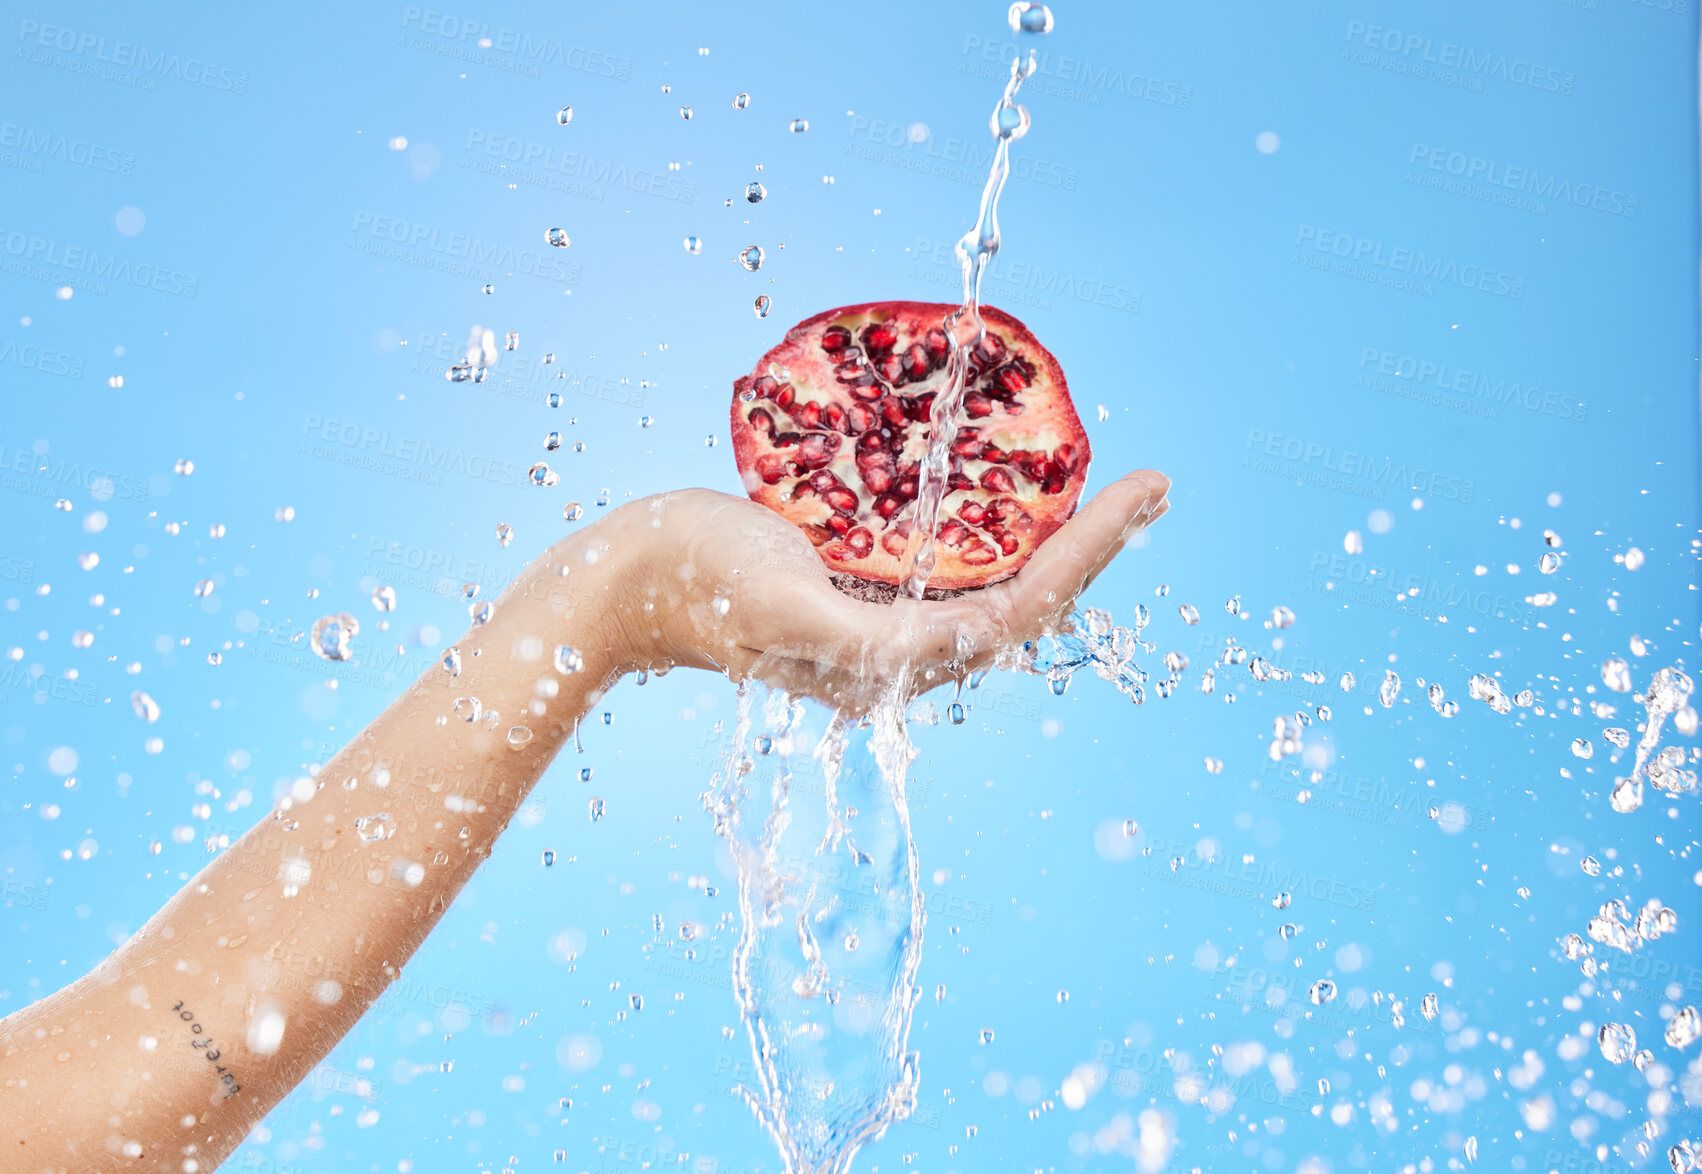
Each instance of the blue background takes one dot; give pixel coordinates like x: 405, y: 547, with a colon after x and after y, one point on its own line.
x: 281, y: 283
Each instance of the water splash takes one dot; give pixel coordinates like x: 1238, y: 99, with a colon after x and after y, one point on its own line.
x: 975, y: 251
x: 831, y: 920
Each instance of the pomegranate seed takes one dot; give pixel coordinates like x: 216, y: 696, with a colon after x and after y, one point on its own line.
x: 891, y: 368
x: 939, y: 346
x: 817, y: 449
x: 879, y: 337
x: 892, y: 410
x: 1065, y: 457
x: 894, y: 543
x: 990, y: 349
x: 765, y: 386
x: 888, y: 504
x: 959, y: 480
x: 862, y: 418
x: 972, y: 512
x: 952, y: 533
x: 785, y: 397
x: 1007, y: 542
x: 824, y: 480
x: 920, y: 407
x: 907, y: 485
x: 836, y: 418
x: 998, y: 480
x: 761, y: 421
x: 842, y: 500
x: 802, y: 490
x: 835, y: 339
x: 770, y: 468
x: 878, y: 475
x: 817, y: 534
x: 995, y: 454
x: 917, y: 364
x: 978, y: 554
x: 850, y: 372
x: 839, y: 523
x: 1010, y: 379
x: 869, y: 392
x: 808, y: 416
x: 1054, y: 484
x: 787, y: 439
x: 977, y: 405
x: 861, y: 542
x: 872, y: 441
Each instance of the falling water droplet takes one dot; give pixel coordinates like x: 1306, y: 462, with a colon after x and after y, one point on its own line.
x: 330, y: 636
x: 800, y: 125
x: 146, y: 707
x: 754, y: 192
x: 1429, y: 1007
x: 573, y: 511
x: 558, y: 237
x: 751, y: 257
x: 1027, y: 17
x: 761, y: 306
x: 694, y: 245
x: 1321, y: 992
x: 564, y: 115
x: 543, y: 476
x: 596, y: 809
x: 384, y: 598
x: 1190, y: 614
x: 741, y: 101
x: 1389, y: 689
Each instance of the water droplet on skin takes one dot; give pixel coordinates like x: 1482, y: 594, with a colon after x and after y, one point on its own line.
x: 467, y: 709
x: 451, y: 662
x: 800, y: 125
x: 596, y: 809
x: 1027, y: 17
x: 568, y: 659
x: 480, y: 613
x: 330, y: 636
x: 761, y: 306
x: 751, y: 257
x: 754, y: 192
x: 564, y: 116
x: 519, y: 736
x: 694, y: 245
x: 373, y: 828
x: 558, y: 237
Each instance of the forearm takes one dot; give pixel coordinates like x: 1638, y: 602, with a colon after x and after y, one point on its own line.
x: 189, y: 1033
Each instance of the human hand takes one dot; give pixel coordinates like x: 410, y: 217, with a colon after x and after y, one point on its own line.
x: 725, y: 583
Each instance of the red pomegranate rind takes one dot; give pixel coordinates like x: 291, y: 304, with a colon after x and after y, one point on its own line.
x: 830, y: 428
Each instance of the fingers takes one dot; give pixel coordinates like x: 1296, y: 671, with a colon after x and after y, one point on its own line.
x: 1073, y: 557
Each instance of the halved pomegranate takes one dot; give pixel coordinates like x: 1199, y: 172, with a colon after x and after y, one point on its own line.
x: 831, y: 427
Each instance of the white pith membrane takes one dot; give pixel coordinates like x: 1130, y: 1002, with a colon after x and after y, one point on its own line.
x: 831, y: 428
